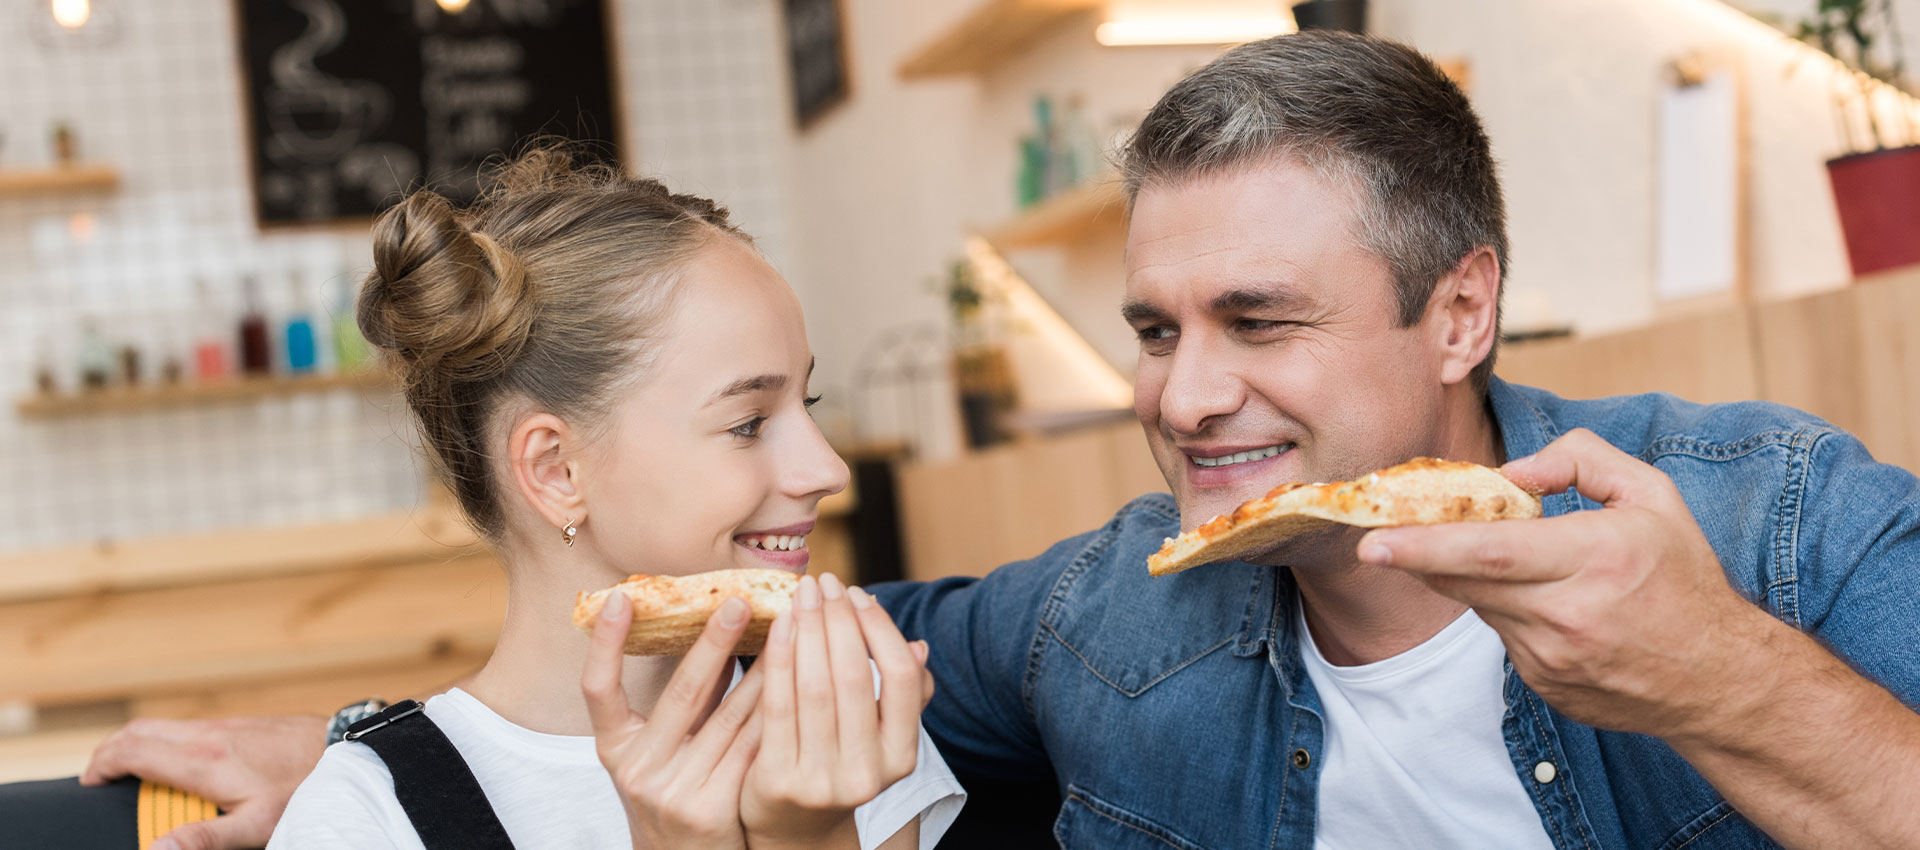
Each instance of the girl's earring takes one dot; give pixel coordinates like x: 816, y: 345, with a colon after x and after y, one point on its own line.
x: 570, y: 532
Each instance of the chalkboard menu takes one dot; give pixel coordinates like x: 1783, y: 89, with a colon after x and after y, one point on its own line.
x: 352, y: 102
x: 816, y: 56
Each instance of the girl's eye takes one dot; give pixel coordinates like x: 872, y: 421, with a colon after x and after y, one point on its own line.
x: 748, y: 429
x: 811, y: 400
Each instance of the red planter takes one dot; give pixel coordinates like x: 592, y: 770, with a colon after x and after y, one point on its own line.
x: 1878, y: 195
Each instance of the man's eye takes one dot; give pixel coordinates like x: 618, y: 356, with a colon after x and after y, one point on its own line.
x: 1155, y: 333
x: 1256, y: 325
x: 749, y: 428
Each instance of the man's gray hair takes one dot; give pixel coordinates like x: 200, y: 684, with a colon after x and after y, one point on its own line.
x: 1371, y: 115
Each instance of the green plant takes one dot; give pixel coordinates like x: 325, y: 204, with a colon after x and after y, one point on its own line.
x: 1861, y: 35
x: 974, y: 324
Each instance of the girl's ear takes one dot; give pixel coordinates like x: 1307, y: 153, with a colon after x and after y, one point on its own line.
x: 541, y: 461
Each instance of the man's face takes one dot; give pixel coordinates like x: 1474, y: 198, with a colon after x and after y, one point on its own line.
x: 1269, y: 346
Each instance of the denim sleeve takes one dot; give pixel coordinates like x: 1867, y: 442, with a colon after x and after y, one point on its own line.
x: 981, y: 633
x: 1857, y: 562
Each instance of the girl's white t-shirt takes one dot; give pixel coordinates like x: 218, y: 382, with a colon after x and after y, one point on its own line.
x: 548, y: 791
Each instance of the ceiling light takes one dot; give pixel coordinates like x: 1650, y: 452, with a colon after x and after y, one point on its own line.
x: 1131, y: 31
x: 72, y: 14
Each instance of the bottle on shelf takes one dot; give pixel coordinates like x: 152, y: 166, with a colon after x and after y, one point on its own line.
x: 256, y: 350
x: 210, y: 361
x: 96, y: 356
x: 349, y: 347
x: 302, y: 354
x: 1084, y: 155
x: 46, y: 377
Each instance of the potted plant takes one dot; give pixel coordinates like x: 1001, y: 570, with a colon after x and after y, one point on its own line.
x: 981, y: 370
x: 1876, y: 186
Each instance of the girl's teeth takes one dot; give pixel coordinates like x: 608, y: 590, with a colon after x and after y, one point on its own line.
x: 776, y: 542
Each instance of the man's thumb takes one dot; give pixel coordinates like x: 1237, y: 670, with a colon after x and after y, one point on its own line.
x: 222, y: 833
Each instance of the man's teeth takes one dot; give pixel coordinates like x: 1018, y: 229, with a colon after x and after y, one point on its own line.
x: 1241, y: 457
x: 775, y: 542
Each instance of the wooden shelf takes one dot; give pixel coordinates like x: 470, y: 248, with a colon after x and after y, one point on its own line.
x: 433, y: 532
x: 1065, y: 217
x: 73, y: 178
x: 994, y: 30
x: 137, y: 399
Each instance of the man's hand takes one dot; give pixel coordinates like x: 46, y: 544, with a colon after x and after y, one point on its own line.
x: 1621, y: 618
x: 248, y: 766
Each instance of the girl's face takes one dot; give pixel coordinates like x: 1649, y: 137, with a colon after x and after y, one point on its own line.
x: 713, y: 461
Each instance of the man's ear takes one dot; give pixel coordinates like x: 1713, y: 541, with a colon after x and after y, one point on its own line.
x: 544, y: 469
x: 1468, y: 301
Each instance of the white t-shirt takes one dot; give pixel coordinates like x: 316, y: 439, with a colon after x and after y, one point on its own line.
x: 548, y: 791
x: 1414, y: 755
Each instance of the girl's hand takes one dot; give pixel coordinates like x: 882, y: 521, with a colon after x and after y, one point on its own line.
x: 681, y: 787
x: 827, y: 744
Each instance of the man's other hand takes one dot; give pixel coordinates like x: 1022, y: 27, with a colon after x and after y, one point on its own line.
x: 248, y: 766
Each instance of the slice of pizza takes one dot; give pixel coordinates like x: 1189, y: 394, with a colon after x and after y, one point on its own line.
x: 669, y: 612
x: 1422, y: 491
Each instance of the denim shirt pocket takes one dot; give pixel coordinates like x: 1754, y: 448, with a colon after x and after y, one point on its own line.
x: 1719, y: 828
x: 1087, y: 822
x: 1132, y: 630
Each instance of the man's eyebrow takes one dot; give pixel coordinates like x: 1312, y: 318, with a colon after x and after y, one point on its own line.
x: 1259, y: 297
x: 1137, y: 312
x: 757, y: 383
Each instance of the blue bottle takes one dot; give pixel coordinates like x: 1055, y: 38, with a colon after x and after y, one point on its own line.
x: 301, y: 351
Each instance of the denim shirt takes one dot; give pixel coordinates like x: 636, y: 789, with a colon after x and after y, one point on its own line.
x: 1174, y: 711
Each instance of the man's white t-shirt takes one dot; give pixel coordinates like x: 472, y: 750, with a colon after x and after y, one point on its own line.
x: 1413, y: 754
x: 548, y: 791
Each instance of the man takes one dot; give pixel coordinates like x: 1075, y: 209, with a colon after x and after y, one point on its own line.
x: 1706, y: 643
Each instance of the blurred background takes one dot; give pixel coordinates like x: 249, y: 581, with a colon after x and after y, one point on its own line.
x: 208, y: 502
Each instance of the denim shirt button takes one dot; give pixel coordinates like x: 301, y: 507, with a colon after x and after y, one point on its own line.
x: 1544, y: 772
x: 1301, y: 759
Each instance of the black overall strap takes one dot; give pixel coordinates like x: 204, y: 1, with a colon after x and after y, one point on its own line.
x: 432, y: 781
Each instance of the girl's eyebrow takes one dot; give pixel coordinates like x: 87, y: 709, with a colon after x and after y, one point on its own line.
x: 757, y: 383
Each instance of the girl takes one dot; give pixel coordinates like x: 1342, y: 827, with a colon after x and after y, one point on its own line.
x: 612, y: 381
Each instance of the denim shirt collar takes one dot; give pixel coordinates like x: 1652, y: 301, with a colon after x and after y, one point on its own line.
x: 1524, y: 428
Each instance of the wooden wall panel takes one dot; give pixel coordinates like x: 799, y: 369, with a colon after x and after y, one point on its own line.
x: 1851, y: 356
x: 1706, y: 358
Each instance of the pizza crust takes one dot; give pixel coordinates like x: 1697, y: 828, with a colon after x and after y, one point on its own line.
x: 1422, y: 491
x: 670, y: 612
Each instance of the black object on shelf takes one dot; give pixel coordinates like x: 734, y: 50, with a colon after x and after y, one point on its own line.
x: 875, y: 524
x: 1348, y: 15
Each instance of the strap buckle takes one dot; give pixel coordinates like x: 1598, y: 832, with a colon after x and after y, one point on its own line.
x: 395, y: 712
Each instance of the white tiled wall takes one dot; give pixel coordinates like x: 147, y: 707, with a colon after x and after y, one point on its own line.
x: 704, y: 108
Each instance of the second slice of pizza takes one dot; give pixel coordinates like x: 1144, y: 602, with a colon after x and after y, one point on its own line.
x: 1422, y: 491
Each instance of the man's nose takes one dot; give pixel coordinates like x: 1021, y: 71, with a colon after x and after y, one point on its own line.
x: 1199, y: 387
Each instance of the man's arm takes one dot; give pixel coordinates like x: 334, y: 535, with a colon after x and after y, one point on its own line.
x: 1623, y: 619
x: 248, y: 766
x: 979, y: 633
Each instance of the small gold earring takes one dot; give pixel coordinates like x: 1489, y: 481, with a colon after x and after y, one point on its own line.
x: 569, y: 533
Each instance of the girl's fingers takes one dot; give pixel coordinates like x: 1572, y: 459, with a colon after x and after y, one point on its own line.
x: 812, y: 679
x: 693, y: 681
x: 902, y: 684
x: 600, y: 680
x: 731, y: 772
x: 921, y: 652
x: 856, y: 713
x: 710, y: 744
x: 779, y: 744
